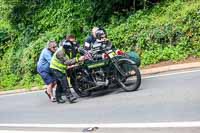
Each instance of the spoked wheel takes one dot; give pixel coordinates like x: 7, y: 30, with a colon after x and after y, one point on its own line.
x: 128, y: 75
x: 81, y: 86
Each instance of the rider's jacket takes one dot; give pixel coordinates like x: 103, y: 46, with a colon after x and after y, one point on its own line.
x: 98, y: 46
x: 61, y: 59
x: 89, y: 42
x: 102, y: 44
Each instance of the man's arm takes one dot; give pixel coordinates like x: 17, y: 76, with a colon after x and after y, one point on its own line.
x: 61, y: 56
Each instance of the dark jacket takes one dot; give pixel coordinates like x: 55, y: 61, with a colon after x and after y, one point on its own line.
x: 89, y: 42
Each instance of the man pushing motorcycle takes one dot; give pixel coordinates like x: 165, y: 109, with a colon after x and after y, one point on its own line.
x: 64, y: 58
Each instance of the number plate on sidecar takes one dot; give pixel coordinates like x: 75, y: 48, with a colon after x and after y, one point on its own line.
x: 112, y: 54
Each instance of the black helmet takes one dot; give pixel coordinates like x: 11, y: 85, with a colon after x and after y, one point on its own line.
x: 67, y: 46
x: 100, y: 33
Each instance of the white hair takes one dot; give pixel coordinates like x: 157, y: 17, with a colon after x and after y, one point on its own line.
x: 50, y: 43
x: 94, y: 29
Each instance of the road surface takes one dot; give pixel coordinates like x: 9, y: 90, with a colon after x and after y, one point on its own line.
x: 172, y: 97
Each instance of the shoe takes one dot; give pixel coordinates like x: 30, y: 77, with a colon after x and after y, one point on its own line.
x: 48, y: 94
x: 72, y: 99
x: 60, y: 100
x: 53, y: 99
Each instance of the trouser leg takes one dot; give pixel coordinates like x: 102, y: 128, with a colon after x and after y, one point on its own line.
x: 72, y: 78
x: 67, y: 91
x: 59, y: 89
x: 63, y: 86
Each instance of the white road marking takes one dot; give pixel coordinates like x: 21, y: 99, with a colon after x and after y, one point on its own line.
x: 18, y: 131
x: 170, y: 74
x: 111, y: 125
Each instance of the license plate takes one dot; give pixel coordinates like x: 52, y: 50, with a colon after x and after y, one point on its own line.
x: 112, y: 54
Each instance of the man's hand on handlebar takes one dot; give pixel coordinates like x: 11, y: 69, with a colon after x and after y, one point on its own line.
x: 82, y: 58
x: 72, y: 66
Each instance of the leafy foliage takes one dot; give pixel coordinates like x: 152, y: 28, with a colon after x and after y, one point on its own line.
x: 157, y: 29
x: 162, y: 33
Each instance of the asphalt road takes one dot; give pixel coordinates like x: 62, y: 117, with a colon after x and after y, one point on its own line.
x: 167, y: 97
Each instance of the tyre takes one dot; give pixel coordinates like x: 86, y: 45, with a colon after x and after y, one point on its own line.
x: 128, y: 75
x: 80, y: 85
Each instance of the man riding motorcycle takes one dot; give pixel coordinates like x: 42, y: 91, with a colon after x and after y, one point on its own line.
x: 98, y: 36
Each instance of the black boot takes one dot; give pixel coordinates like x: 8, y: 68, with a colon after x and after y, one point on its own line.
x: 71, y: 98
x: 60, y: 100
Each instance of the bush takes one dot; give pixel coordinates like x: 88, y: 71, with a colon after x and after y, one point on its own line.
x: 7, y: 82
x: 168, y: 31
x: 173, y: 53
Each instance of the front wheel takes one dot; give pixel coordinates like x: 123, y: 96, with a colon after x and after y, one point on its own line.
x: 128, y: 75
x: 81, y: 85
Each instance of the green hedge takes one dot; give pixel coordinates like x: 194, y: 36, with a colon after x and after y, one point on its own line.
x: 168, y: 31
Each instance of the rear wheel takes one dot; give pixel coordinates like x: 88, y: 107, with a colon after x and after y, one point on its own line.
x: 128, y: 75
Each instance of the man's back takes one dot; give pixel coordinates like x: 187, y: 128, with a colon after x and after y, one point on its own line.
x: 44, y: 60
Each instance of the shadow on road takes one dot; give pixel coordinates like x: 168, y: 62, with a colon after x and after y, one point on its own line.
x: 107, y: 91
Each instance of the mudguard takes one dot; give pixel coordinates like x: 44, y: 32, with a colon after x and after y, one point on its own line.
x: 134, y: 57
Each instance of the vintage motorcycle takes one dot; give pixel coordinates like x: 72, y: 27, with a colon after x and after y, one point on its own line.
x: 106, y: 67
